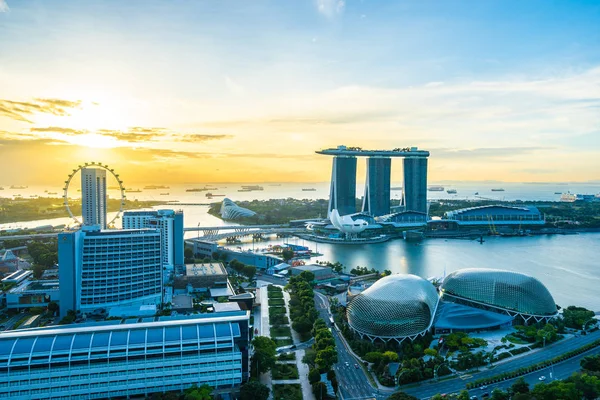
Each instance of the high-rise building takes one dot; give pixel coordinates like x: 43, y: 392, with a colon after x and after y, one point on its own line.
x: 377, y: 187
x: 170, y: 225
x: 93, y: 196
x: 127, y: 359
x: 109, y: 268
x: 414, y: 190
x: 342, y: 195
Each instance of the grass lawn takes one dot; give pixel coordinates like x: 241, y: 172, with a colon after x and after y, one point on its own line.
x: 277, y: 310
x: 287, y: 357
x: 279, y: 319
x: 272, y: 289
x: 276, y: 302
x: 284, y: 371
x: 275, y: 295
x: 515, y: 340
x: 283, y: 342
x: 281, y: 331
x: 287, y: 392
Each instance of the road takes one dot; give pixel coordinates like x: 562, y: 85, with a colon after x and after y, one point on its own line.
x: 353, y: 383
x: 427, y: 390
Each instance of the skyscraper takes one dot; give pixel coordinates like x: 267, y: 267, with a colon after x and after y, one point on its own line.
x: 109, y: 268
x: 93, y: 196
x: 414, y: 191
x: 377, y: 187
x: 342, y: 195
x: 170, y: 225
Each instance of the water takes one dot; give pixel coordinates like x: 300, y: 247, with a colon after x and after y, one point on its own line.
x: 567, y: 265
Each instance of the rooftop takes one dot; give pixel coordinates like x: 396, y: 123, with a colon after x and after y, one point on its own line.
x: 359, y: 152
x: 205, y: 269
x: 311, y: 267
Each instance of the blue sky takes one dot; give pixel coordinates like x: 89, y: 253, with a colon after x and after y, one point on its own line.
x: 510, y: 83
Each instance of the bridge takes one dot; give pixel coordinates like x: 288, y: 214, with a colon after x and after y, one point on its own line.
x: 216, y: 233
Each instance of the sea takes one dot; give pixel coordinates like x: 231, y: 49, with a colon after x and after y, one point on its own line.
x: 567, y: 264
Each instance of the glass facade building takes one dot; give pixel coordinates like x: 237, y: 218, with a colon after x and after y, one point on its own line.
x: 125, y: 359
x: 342, y: 194
x: 510, y: 292
x: 93, y: 196
x: 376, y: 201
x: 107, y: 268
x: 414, y: 191
x: 170, y: 225
x: 396, y: 307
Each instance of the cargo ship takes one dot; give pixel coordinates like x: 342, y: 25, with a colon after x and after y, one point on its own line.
x: 18, y: 187
x: 309, y: 189
x: 435, y: 188
x: 451, y: 191
x: 151, y: 187
x: 252, y: 187
x: 498, y: 190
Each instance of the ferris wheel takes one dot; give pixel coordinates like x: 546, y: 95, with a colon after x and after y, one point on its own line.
x: 107, y: 169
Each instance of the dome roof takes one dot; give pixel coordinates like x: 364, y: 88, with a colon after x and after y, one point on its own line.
x: 504, y: 289
x: 396, y: 306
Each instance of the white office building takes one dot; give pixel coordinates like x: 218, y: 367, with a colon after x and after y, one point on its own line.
x: 108, y: 268
x: 93, y: 196
x: 134, y: 358
x: 170, y: 225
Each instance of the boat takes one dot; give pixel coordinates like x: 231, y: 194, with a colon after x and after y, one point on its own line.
x: 214, y: 195
x: 497, y: 190
x: 33, y: 196
x: 568, y: 197
x: 49, y: 193
x: 396, y: 188
x: 557, y: 192
x: 451, y: 191
x: 252, y: 187
x: 196, y: 190
x: 164, y: 194
x: 1, y: 188
x: 244, y: 190
x: 476, y: 193
x: 435, y: 188
x: 150, y: 187
x: 309, y: 189
x: 133, y: 191
x: 18, y: 187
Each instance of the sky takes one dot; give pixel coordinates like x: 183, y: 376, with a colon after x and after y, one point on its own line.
x: 246, y: 91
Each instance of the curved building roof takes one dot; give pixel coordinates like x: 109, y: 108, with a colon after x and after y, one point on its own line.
x: 397, y: 306
x: 230, y: 210
x: 507, y: 290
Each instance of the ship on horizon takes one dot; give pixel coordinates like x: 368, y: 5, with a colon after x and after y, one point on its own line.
x: 435, y: 188
x: 18, y: 187
x: 497, y: 190
x: 151, y: 187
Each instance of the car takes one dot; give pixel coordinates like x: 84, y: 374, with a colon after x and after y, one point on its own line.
x: 356, y: 366
x: 542, y: 378
x: 347, y: 364
x: 473, y: 398
x: 483, y: 387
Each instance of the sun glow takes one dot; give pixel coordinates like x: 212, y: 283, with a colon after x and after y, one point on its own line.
x: 94, y: 140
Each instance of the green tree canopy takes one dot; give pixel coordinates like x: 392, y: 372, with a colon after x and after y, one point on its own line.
x: 401, y: 396
x: 254, y: 390
x: 264, y: 357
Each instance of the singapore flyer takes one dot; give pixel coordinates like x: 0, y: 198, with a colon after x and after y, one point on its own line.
x: 108, y: 170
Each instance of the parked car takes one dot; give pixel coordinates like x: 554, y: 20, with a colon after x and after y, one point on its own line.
x: 542, y: 378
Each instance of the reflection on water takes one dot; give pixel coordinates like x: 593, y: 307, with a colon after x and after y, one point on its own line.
x: 567, y: 265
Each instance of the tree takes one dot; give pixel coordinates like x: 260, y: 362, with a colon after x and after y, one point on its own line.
x: 38, y: 271
x: 520, y: 386
x: 591, y: 363
x: 319, y: 390
x: 249, y: 271
x: 254, y: 390
x: 53, y: 307
x: 430, y: 352
x: 326, y: 358
x: 463, y: 395
x: 314, y: 376
x: 287, y: 254
x: 498, y: 394
x: 188, y: 255
x: 265, y: 350
x: 198, y: 393
x: 401, y: 396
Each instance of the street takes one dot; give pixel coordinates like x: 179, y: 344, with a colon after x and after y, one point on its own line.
x: 353, y: 383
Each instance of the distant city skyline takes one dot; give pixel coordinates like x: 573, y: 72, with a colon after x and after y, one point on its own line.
x: 184, y: 92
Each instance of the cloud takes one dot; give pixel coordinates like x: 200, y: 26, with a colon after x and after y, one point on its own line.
x: 484, y: 152
x: 3, y: 6
x: 135, y: 134
x: 57, y: 129
x: 198, y: 138
x: 330, y: 8
x: 21, y: 111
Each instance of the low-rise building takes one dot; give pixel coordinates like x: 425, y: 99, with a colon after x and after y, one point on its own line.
x: 31, y: 293
x: 321, y: 273
x: 134, y: 358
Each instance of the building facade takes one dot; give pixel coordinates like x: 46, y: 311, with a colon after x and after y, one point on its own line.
x: 342, y: 192
x: 93, y: 196
x: 414, y: 192
x: 127, y: 359
x: 102, y: 269
x: 170, y: 225
x: 376, y: 201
